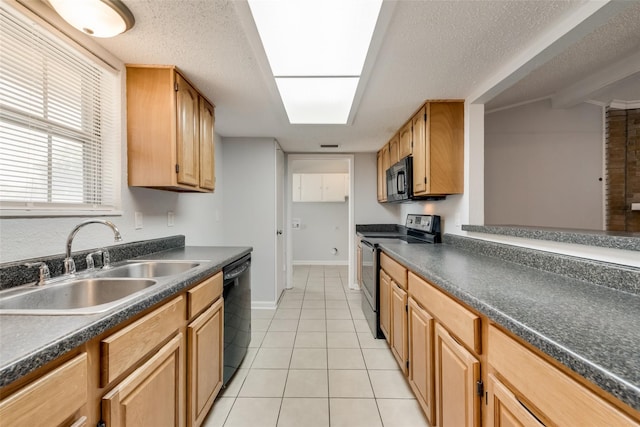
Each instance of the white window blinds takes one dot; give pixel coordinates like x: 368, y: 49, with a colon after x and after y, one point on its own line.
x: 59, y: 125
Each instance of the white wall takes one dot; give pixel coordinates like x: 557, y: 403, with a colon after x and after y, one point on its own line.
x: 367, y: 209
x: 248, y: 214
x: 22, y: 238
x: 542, y: 166
x: 323, y: 226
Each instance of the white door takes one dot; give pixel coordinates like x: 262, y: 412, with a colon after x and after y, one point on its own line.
x: 280, y: 239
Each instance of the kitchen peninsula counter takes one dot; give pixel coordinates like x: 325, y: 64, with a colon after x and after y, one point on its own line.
x: 591, y: 329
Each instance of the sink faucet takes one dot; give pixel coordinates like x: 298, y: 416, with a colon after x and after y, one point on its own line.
x: 69, y: 265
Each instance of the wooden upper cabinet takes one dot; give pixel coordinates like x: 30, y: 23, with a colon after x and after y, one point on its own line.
x: 420, y: 152
x: 169, y: 131
x: 207, y: 143
x: 383, y: 165
x: 406, y: 140
x: 187, y: 134
x: 434, y: 138
x: 438, y: 149
x: 394, y: 150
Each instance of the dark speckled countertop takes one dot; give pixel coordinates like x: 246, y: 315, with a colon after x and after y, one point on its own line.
x: 29, y: 342
x: 591, y: 329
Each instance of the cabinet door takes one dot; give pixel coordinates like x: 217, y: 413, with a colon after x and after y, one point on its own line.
x: 153, y: 394
x: 404, y: 148
x: 385, y: 305
x: 55, y: 397
x: 457, y: 372
x: 504, y: 409
x: 399, y: 335
x: 382, y: 177
x: 421, y: 374
x: 205, y: 346
x: 187, y: 138
x: 333, y: 187
x: 311, y: 187
x: 420, y: 152
x: 394, y: 149
x: 207, y: 156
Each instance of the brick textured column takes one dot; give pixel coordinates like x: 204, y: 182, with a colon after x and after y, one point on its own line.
x: 623, y: 169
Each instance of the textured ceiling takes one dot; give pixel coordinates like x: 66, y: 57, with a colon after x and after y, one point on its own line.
x: 430, y: 50
x: 616, y: 40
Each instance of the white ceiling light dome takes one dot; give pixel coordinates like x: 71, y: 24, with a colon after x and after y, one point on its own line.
x: 97, y: 18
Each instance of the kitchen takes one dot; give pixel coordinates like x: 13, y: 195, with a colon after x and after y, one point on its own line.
x: 489, y: 68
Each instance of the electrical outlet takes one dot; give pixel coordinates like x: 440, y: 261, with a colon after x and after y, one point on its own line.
x: 138, y: 220
x: 171, y: 219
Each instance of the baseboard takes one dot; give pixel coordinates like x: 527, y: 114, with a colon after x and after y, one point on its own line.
x: 263, y: 305
x: 320, y: 262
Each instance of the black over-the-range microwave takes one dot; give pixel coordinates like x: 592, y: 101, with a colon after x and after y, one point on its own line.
x: 400, y: 183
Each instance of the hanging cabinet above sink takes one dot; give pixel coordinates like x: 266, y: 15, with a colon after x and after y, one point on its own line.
x: 170, y: 131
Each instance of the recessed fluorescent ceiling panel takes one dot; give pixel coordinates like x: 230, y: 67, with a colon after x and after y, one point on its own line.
x: 317, y: 100
x: 316, y: 38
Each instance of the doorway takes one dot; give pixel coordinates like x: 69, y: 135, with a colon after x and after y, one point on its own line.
x: 320, y: 212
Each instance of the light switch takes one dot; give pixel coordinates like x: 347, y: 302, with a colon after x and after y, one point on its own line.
x: 171, y: 219
x: 295, y: 223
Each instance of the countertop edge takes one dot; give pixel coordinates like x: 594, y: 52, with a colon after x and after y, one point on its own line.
x: 597, y: 375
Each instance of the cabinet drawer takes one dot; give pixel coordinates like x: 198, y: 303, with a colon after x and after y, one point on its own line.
x: 458, y: 320
x: 202, y: 295
x: 126, y: 347
x: 560, y: 399
x: 397, y: 271
x: 54, y: 397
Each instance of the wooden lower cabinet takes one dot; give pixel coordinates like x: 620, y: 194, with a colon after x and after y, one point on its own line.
x: 553, y: 396
x: 421, y: 374
x: 153, y: 394
x: 385, y: 305
x: 457, y: 373
x: 205, y: 351
x: 56, y: 397
x: 399, y: 335
x: 504, y: 409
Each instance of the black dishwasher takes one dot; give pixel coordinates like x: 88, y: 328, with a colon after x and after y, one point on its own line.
x: 237, y: 314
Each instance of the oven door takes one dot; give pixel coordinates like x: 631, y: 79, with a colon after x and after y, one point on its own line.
x: 369, y: 303
x: 369, y: 273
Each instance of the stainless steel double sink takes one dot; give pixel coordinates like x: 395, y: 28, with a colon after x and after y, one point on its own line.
x: 90, y: 292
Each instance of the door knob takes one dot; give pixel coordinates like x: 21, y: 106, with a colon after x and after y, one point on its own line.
x: 279, y: 232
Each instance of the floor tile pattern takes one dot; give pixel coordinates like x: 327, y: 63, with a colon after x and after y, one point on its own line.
x: 314, y: 363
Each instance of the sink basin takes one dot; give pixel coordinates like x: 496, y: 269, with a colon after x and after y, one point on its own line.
x: 82, y: 296
x: 147, y: 269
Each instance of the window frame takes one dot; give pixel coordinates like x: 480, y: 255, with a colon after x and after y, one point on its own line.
x: 84, y: 49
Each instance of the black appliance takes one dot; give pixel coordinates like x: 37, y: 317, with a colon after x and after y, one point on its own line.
x: 423, y: 229
x: 400, y: 180
x: 237, y: 314
x: 400, y: 183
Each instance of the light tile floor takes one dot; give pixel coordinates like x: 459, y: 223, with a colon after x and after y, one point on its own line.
x: 314, y: 363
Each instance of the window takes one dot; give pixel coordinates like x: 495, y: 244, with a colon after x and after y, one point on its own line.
x: 59, y: 126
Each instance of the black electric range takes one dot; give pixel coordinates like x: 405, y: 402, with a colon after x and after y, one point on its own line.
x: 418, y: 229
